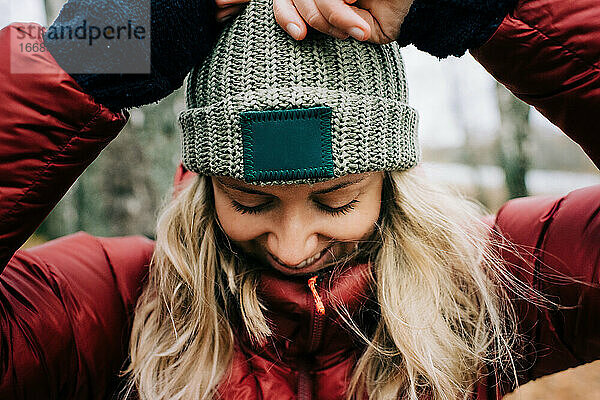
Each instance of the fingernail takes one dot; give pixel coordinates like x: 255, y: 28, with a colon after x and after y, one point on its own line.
x: 225, y: 18
x: 293, y: 30
x: 357, y: 33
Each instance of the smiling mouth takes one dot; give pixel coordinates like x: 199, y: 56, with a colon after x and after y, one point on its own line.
x: 306, y: 263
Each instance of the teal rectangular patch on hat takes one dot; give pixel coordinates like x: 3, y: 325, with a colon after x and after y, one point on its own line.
x: 285, y: 145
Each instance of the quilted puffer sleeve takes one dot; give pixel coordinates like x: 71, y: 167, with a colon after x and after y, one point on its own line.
x: 65, y: 316
x: 558, y: 243
x: 66, y: 306
x: 50, y: 131
x: 547, y: 52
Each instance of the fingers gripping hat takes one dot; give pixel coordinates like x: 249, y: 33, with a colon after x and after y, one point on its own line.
x: 268, y: 109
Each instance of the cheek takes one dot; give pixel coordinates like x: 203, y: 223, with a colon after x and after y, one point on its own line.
x: 357, y: 224
x: 238, y: 227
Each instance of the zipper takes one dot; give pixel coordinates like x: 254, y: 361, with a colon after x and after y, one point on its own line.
x: 312, y: 285
x: 318, y: 315
x: 305, y: 384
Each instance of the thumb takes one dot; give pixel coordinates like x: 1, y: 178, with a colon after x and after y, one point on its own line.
x: 376, y: 34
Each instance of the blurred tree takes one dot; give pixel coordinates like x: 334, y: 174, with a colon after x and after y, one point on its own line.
x: 513, y: 136
x: 120, y: 193
x: 468, y: 154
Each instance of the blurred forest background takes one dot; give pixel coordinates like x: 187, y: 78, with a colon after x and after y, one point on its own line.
x: 475, y: 136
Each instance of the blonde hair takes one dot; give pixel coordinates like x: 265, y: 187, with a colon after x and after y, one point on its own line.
x: 444, y: 313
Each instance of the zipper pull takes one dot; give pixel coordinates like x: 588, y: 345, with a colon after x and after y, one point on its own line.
x: 318, y: 303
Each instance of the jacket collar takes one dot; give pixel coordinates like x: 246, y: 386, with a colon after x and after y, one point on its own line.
x: 299, y: 330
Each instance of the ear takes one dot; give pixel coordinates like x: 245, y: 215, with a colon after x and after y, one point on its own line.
x: 182, y: 178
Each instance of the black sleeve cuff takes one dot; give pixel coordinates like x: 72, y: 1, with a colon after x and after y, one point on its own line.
x: 182, y: 34
x: 450, y: 27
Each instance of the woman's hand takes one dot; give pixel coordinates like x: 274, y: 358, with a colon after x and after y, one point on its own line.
x: 377, y: 21
x: 229, y: 8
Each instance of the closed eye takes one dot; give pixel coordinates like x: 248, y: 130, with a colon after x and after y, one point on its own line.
x: 336, y: 211
x: 242, y: 209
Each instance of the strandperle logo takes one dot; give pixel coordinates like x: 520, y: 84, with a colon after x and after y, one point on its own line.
x: 85, y: 31
x: 92, y: 41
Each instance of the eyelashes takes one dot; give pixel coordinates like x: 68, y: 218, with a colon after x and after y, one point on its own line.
x: 336, y: 211
x: 242, y: 209
x: 333, y: 211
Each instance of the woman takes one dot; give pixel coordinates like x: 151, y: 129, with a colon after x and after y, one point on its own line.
x: 198, y: 329
x: 296, y: 137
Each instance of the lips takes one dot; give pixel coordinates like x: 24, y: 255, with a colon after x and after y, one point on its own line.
x: 313, y: 261
x: 304, y: 263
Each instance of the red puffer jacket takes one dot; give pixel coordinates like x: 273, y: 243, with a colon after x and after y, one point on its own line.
x: 66, y: 306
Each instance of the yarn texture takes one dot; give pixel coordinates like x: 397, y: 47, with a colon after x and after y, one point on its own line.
x: 256, y: 66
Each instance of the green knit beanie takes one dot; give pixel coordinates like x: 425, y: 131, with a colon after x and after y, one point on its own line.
x: 267, y: 109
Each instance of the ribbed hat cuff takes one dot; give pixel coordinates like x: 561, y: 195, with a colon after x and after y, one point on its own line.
x: 369, y: 133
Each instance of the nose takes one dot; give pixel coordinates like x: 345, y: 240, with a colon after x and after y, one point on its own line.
x: 293, y: 240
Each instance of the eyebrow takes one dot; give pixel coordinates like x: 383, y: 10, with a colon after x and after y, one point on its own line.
x: 322, y: 191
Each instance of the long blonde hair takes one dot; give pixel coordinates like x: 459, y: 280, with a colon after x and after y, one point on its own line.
x: 444, y: 313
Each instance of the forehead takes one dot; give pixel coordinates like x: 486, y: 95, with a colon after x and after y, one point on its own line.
x: 351, y: 180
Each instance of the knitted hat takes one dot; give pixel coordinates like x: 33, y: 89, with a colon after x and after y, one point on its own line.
x: 267, y: 109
